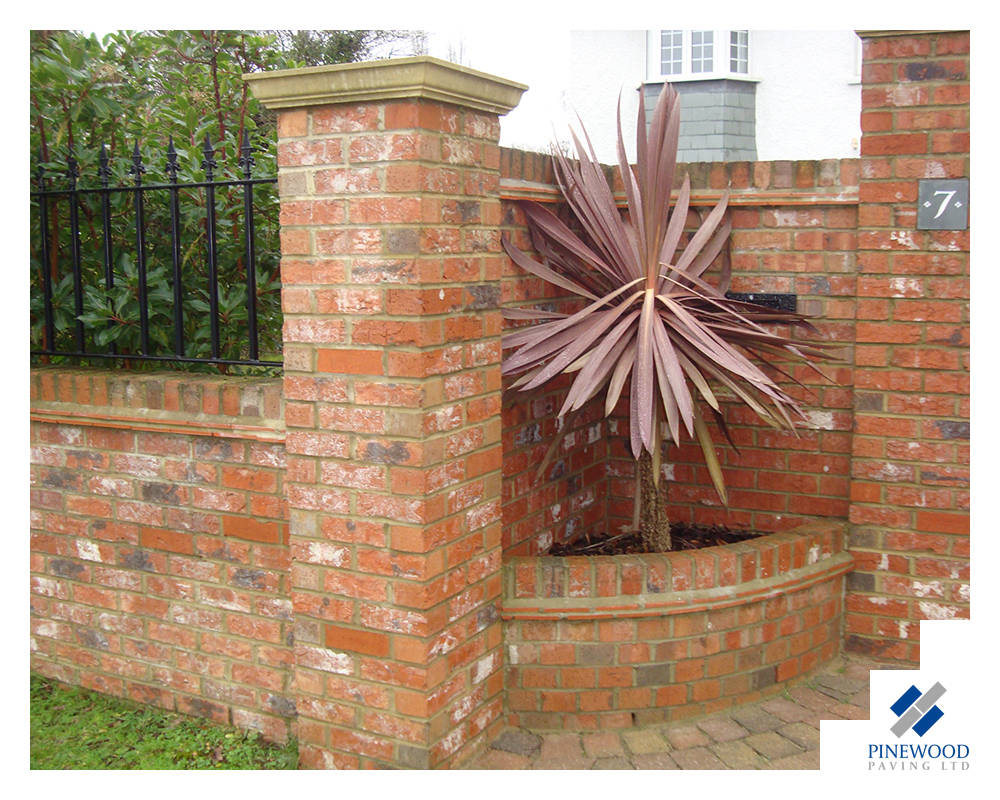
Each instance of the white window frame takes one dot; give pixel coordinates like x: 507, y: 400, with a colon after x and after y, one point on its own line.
x: 720, y: 59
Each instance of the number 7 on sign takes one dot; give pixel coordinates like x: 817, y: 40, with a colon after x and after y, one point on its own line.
x: 948, y: 194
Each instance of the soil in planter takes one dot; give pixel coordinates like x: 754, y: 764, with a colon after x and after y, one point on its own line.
x: 684, y: 535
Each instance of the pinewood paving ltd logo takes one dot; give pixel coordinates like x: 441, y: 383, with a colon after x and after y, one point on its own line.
x: 917, y: 712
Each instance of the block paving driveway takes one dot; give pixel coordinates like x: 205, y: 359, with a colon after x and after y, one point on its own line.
x: 779, y: 733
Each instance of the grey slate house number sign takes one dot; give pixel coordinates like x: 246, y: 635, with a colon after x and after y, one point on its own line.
x: 943, y: 205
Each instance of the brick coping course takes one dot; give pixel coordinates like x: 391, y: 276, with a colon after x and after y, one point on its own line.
x: 676, y: 582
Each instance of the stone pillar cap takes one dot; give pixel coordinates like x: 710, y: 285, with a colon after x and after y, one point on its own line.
x: 391, y: 79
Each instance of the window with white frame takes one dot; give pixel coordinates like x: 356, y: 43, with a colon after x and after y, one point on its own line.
x: 739, y: 52
x: 694, y: 54
x: 702, y: 43
x: 671, y: 52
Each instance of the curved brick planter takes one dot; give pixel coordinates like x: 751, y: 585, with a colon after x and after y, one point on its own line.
x: 612, y: 641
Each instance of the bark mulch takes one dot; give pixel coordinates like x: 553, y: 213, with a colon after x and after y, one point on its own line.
x: 684, y: 535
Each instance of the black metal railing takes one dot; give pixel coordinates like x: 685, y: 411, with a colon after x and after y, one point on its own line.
x: 193, y: 299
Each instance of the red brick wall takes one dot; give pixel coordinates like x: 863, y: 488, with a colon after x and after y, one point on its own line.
x: 910, y: 490
x: 793, y: 232
x: 570, y: 496
x: 159, y: 554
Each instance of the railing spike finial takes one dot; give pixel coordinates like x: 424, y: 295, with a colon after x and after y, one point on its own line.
x: 103, y: 167
x: 171, y: 160
x: 209, y: 162
x: 246, y: 155
x: 137, y: 168
x: 72, y: 167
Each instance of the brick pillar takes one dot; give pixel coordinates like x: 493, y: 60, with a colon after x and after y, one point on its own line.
x: 910, y: 488
x: 388, y: 181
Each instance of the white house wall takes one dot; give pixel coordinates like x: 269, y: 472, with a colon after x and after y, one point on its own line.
x: 604, y: 64
x: 809, y: 96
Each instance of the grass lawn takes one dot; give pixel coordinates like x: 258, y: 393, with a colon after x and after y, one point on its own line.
x: 77, y: 729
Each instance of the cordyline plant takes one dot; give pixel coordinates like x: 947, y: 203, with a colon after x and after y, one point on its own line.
x: 650, y: 318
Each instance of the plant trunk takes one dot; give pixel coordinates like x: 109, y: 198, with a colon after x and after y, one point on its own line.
x: 653, y: 523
